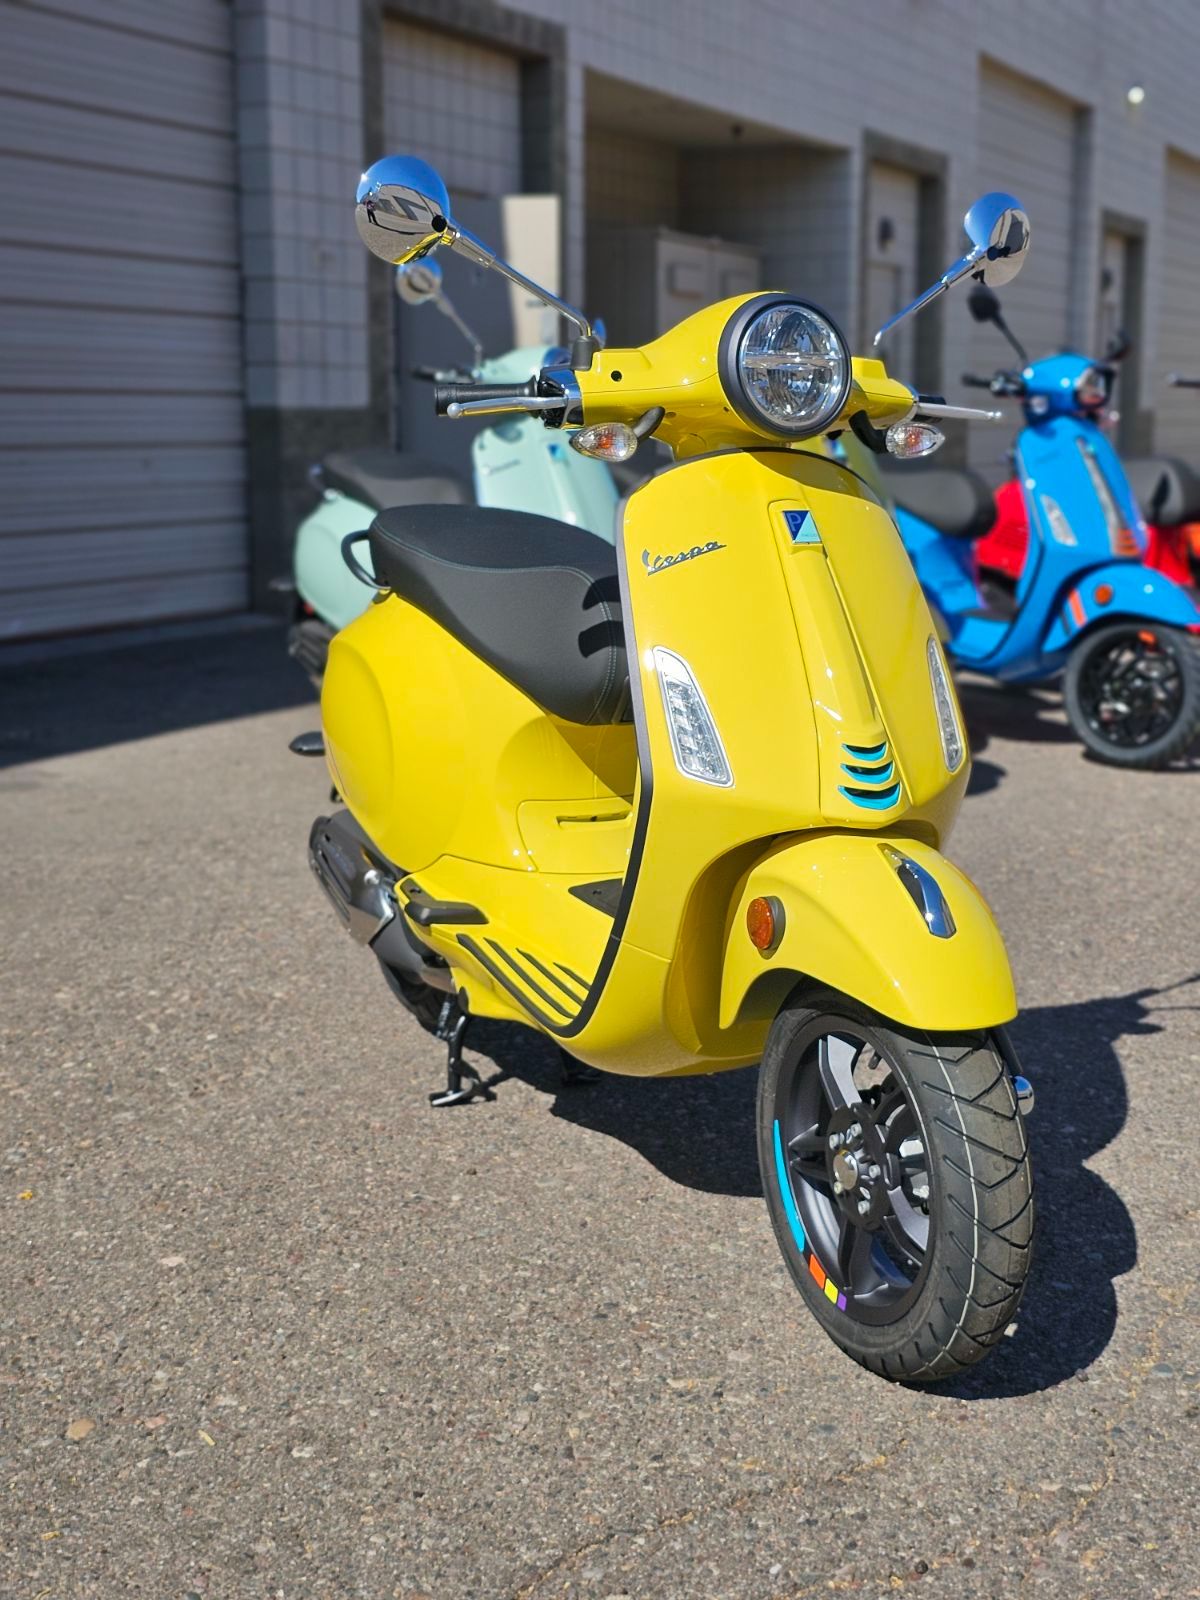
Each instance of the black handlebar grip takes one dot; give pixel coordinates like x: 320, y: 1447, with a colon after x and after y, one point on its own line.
x: 973, y: 382
x: 449, y: 394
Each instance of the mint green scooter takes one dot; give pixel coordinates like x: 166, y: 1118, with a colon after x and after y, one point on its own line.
x: 517, y: 465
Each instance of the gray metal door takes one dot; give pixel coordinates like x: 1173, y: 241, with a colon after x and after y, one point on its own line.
x: 121, y: 418
x: 1026, y: 145
x: 458, y: 104
x: 891, y: 250
x: 1177, y: 426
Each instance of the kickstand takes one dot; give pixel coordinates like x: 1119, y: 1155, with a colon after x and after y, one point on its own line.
x: 451, y: 1029
x: 575, y: 1074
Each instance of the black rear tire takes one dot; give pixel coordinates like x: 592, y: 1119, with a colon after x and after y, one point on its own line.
x: 922, y: 1287
x: 1132, y: 693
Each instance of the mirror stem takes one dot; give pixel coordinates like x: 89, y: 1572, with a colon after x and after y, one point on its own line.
x: 1012, y: 338
x: 466, y: 244
x: 446, y: 308
x: 961, y: 267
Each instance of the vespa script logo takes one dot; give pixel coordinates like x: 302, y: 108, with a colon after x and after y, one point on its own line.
x: 654, y: 564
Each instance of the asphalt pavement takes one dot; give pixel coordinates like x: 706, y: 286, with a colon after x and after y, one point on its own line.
x: 270, y: 1326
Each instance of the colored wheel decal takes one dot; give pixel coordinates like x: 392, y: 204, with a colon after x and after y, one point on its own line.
x: 816, y: 1270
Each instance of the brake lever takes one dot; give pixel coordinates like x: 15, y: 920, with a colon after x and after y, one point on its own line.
x: 934, y: 408
x: 530, y: 403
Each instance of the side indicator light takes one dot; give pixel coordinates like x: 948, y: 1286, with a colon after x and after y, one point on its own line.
x: 765, y: 922
x: 1102, y: 593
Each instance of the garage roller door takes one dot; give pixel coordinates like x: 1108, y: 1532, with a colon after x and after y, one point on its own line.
x: 456, y: 103
x: 121, y: 419
x: 1177, y: 428
x: 1026, y: 145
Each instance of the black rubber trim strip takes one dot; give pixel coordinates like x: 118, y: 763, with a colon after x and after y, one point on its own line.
x: 505, y: 982
x: 527, y: 980
x: 571, y: 994
x: 637, y: 844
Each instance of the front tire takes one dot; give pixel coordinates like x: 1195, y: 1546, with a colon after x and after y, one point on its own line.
x: 896, y: 1171
x: 1132, y: 693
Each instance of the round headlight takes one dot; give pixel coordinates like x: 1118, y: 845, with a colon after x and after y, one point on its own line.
x: 1091, y: 388
x: 784, y: 366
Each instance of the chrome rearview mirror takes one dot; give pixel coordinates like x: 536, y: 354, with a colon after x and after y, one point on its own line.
x: 999, y: 233
x: 402, y: 211
x: 419, y: 283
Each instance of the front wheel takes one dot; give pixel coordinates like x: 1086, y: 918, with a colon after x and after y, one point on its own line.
x: 896, y: 1171
x: 1132, y: 693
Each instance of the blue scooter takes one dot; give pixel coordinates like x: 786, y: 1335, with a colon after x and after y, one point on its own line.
x: 1123, y: 636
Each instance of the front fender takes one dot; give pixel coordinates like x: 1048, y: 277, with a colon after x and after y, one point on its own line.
x: 850, y: 924
x: 1136, y: 591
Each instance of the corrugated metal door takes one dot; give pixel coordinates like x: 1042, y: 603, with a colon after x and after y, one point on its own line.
x: 458, y: 105
x: 1177, y: 424
x: 121, y: 419
x: 1027, y: 146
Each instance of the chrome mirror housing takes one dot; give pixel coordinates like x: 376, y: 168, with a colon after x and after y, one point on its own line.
x: 999, y: 233
x: 402, y: 209
x: 402, y: 212
x: 998, y: 229
x: 419, y: 282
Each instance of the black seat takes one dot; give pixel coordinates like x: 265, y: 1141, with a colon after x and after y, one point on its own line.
x: 536, y: 599
x: 382, y: 478
x: 1166, y: 489
x: 956, y: 502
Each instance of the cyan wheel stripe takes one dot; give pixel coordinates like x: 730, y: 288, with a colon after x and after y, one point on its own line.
x: 785, y: 1191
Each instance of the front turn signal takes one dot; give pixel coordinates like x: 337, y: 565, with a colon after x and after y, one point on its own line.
x: 606, y: 441
x: 910, y: 439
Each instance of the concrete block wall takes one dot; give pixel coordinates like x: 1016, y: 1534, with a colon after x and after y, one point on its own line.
x: 464, y: 97
x: 910, y: 71
x: 300, y: 139
x: 794, y: 205
x: 840, y: 81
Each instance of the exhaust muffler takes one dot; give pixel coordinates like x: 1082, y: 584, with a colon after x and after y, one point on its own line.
x: 361, y: 885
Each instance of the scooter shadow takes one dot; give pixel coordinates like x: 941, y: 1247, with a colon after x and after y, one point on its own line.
x: 1085, y: 1235
x: 700, y: 1132
x: 1027, y: 715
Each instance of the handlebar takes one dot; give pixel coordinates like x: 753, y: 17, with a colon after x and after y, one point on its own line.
x: 1178, y: 381
x: 1000, y: 383
x: 446, y: 395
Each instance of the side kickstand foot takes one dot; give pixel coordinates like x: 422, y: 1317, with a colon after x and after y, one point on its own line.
x: 451, y: 1029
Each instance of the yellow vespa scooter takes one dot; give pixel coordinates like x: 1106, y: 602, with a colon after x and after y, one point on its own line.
x: 680, y: 805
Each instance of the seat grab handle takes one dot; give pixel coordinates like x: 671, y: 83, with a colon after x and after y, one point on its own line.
x: 355, y: 565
